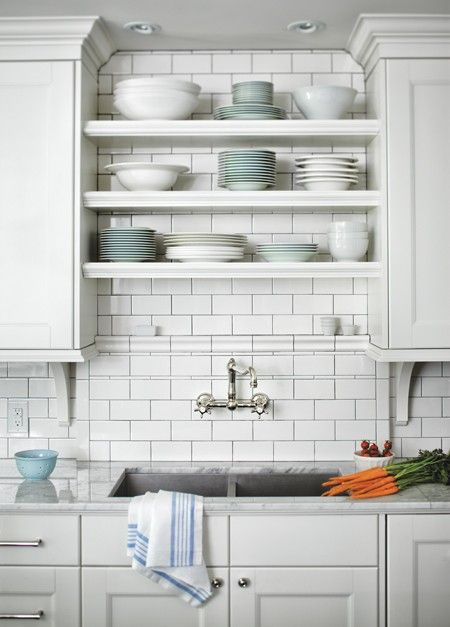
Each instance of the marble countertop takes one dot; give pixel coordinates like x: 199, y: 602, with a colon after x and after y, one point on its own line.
x: 84, y: 487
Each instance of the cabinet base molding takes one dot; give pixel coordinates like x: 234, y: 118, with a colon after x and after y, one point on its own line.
x: 51, y: 355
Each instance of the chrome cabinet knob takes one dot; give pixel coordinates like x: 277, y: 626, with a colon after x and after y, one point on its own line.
x: 243, y: 582
x: 216, y: 582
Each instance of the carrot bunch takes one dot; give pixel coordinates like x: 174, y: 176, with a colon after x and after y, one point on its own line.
x: 363, y: 485
x: 427, y: 467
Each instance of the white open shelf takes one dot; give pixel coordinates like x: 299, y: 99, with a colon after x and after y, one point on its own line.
x: 294, y: 200
x: 138, y: 133
x: 167, y: 270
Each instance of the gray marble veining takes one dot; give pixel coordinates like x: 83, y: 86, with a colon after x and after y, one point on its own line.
x: 82, y: 486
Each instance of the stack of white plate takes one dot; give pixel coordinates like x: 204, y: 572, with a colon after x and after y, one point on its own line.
x: 127, y: 243
x: 347, y: 240
x: 287, y: 252
x: 247, y: 170
x: 326, y: 172
x: 201, y: 247
x: 252, y: 100
x: 156, y: 98
x: 253, y: 91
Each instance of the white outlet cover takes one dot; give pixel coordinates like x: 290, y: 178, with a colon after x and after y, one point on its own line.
x: 17, y: 424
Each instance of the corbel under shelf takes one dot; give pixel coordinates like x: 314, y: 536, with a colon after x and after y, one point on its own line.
x: 59, y: 361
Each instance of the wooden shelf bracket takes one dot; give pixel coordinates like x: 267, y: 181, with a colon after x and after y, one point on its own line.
x: 61, y: 374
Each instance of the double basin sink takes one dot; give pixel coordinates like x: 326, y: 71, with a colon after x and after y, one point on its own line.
x: 132, y: 483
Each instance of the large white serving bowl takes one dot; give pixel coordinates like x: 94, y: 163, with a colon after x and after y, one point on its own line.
x: 142, y: 176
x: 161, y: 104
x: 135, y: 84
x: 364, y: 463
x: 324, y: 102
x: 343, y: 249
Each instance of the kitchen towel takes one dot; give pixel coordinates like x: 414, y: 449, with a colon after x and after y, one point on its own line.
x: 165, y: 532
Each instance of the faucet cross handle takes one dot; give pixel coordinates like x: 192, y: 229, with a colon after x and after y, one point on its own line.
x: 204, y: 402
x: 260, y: 402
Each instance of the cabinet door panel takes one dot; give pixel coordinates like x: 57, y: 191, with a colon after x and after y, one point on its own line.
x: 121, y: 597
x: 419, y: 571
x: 28, y: 590
x: 36, y: 196
x: 418, y: 105
x: 289, y: 597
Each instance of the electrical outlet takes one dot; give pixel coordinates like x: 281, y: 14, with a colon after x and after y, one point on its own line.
x: 18, y: 417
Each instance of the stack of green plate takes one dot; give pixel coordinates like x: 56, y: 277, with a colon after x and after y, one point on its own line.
x: 247, y: 170
x: 253, y: 91
x: 127, y: 243
x: 252, y: 100
x: 249, y: 111
x: 288, y: 252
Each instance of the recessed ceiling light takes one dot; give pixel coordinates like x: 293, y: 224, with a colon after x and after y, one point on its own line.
x: 143, y: 28
x: 306, y: 27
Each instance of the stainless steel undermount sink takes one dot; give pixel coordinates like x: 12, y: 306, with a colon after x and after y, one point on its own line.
x: 134, y: 483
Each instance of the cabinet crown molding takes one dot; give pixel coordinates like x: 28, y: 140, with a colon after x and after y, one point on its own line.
x: 382, y: 36
x: 57, y: 38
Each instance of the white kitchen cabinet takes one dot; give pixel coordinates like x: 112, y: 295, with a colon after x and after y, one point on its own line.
x: 48, y: 87
x: 418, y: 570
x: 50, y: 595
x: 120, y: 597
x: 323, y: 597
x: 36, y: 239
x: 418, y: 166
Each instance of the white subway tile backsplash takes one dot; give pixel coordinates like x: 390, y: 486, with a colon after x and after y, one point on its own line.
x: 137, y: 405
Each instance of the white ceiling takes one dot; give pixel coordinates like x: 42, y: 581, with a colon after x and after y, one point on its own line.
x: 214, y: 24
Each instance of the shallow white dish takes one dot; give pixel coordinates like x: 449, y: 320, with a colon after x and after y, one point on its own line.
x: 286, y: 257
x: 142, y: 176
x: 164, y: 104
x: 324, y: 184
x: 324, y: 102
x: 329, y: 157
x: 252, y: 186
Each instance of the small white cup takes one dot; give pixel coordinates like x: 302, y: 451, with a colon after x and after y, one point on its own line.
x: 349, y: 329
x: 329, y: 325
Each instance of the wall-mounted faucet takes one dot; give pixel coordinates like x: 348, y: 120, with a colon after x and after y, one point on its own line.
x: 258, y: 402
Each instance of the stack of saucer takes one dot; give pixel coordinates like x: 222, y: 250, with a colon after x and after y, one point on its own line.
x: 247, y: 170
x: 287, y: 252
x: 127, y: 243
x: 253, y: 91
x: 326, y: 172
x: 252, y: 100
x: 201, y: 247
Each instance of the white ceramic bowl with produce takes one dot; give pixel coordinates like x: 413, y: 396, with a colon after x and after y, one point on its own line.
x: 142, y: 176
x: 364, y: 463
x: 347, y: 249
x: 324, y: 102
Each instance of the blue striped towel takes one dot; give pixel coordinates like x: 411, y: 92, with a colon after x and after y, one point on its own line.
x: 165, y: 534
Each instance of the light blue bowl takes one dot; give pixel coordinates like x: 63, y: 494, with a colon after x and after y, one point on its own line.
x: 36, y: 464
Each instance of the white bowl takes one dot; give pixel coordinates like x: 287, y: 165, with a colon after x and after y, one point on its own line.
x: 162, y: 104
x: 141, y: 176
x: 325, y: 184
x: 324, y: 102
x: 348, y: 329
x: 339, y: 236
x: 156, y: 82
x: 348, y: 250
x: 347, y: 226
x: 363, y: 463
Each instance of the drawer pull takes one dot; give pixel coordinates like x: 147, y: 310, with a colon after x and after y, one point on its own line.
x: 216, y: 582
x: 36, y: 616
x: 18, y: 543
x: 243, y: 582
